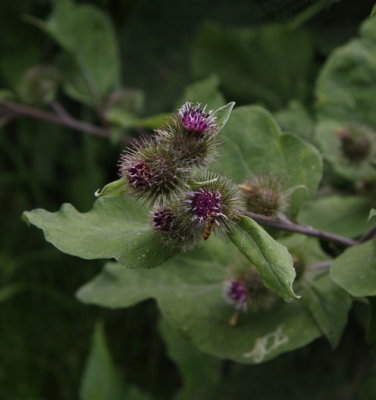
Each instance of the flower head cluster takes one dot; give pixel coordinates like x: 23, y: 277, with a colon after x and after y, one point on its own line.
x: 264, y: 194
x: 159, y: 170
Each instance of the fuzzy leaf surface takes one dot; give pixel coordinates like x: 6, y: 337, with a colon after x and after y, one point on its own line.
x: 188, y: 291
x: 253, y: 144
x: 355, y: 270
x: 116, y: 227
x: 271, y: 258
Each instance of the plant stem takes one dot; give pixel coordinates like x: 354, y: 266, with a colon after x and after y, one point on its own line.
x: 321, y: 265
x: 61, y: 118
x: 368, y: 235
x: 299, y: 228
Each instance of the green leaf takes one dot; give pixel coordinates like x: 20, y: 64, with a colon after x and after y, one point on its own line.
x: 117, y: 227
x: 253, y: 144
x: 355, y: 270
x: 188, y: 291
x: 343, y: 215
x: 329, y: 305
x: 197, y: 370
x: 372, y: 214
x: 114, y: 188
x: 101, y: 380
x: 268, y: 64
x: 91, y: 63
x: 222, y: 115
x: 345, y: 93
x: 204, y: 91
x: 271, y: 259
x: 296, y: 119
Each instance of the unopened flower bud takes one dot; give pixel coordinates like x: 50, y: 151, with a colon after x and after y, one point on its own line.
x: 355, y: 142
x: 264, y: 194
x: 39, y: 85
x: 152, y: 173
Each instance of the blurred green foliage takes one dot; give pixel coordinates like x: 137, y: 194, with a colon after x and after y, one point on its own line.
x: 162, y: 51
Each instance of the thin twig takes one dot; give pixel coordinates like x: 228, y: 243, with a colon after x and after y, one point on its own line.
x: 8, y: 118
x: 60, y: 110
x: 67, y: 121
x: 299, y: 228
x: 321, y: 265
x: 368, y: 235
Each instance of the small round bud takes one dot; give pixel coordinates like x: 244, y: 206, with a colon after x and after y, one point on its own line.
x: 236, y: 293
x: 152, y: 172
x: 355, y: 142
x: 247, y: 292
x: 191, y: 136
x: 264, y: 194
x: 196, y: 119
x: 39, y: 84
x: 163, y: 220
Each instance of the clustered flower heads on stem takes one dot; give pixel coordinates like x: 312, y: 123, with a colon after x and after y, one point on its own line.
x: 168, y: 172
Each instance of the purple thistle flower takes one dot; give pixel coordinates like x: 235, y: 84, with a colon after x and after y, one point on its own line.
x: 139, y: 175
x: 236, y: 293
x: 205, y: 203
x: 163, y: 220
x: 196, y: 119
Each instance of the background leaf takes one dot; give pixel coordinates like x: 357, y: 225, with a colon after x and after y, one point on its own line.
x: 254, y: 145
x: 269, y: 64
x: 101, y: 380
x: 329, y: 305
x: 355, y: 270
x: 91, y: 62
x: 343, y: 215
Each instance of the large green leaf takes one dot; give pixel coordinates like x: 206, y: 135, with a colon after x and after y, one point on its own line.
x: 345, y: 94
x: 117, y: 227
x: 355, y: 270
x: 269, y: 64
x: 343, y: 215
x: 271, y: 259
x: 91, y: 64
x: 253, y: 144
x: 189, y: 294
x: 329, y: 305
